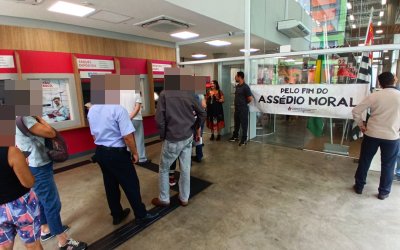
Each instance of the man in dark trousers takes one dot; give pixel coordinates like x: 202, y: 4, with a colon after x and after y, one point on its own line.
x: 243, y: 97
x: 112, y: 131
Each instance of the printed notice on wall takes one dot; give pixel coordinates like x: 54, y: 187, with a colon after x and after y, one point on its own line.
x: 7, y: 62
x: 318, y: 100
x: 56, y: 100
x: 159, y: 67
x: 95, y: 64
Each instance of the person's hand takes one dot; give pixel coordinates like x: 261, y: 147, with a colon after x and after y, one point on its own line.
x: 363, y: 128
x: 135, y: 157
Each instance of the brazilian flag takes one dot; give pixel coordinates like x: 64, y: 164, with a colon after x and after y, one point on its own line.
x: 316, y: 124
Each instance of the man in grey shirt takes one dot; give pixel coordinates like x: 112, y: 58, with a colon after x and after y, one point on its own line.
x: 175, y: 119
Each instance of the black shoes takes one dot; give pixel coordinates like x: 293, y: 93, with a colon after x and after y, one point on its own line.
x: 218, y: 138
x: 146, y: 219
x: 242, y: 143
x: 143, y: 163
x: 74, y: 245
x: 125, y: 213
x: 49, y: 236
x: 382, y: 196
x: 194, y: 158
x: 212, y: 137
x: 357, y: 190
x: 233, y: 139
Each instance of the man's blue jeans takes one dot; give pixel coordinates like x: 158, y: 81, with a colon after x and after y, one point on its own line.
x: 49, y: 200
x: 389, y: 151
x: 169, y: 153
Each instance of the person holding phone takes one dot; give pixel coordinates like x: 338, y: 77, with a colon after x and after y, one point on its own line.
x: 19, y: 206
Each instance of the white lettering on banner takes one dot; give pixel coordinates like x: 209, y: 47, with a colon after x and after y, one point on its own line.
x: 7, y: 62
x: 95, y: 64
x: 89, y: 74
x: 319, y: 100
x: 159, y: 67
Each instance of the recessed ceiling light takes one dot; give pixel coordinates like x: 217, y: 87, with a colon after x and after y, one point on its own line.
x: 199, y: 55
x: 349, y: 6
x: 379, y: 23
x: 70, y: 9
x: 290, y: 60
x: 185, y: 35
x: 361, y: 44
x: 376, y: 61
x: 381, y: 13
x: 353, y: 26
x: 383, y: 2
x: 386, y: 58
x: 385, y: 51
x: 279, y: 57
x: 218, y: 43
x: 251, y: 50
x: 379, y: 31
x: 351, y: 17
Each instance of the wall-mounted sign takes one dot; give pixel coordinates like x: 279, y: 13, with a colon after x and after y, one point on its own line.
x: 7, y: 62
x: 95, y: 64
x: 159, y: 67
x: 89, y: 74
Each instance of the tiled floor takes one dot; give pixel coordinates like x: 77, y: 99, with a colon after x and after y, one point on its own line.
x: 262, y: 197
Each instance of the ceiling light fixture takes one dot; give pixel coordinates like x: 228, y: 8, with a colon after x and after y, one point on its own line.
x: 381, y: 13
x: 383, y: 2
x: 385, y: 51
x: 386, y: 58
x: 351, y: 17
x: 349, y: 6
x: 379, y: 31
x: 251, y: 50
x: 218, y: 43
x: 290, y: 60
x: 361, y: 44
x: 185, y: 35
x: 199, y: 55
x: 379, y: 23
x: 70, y: 9
x: 353, y: 26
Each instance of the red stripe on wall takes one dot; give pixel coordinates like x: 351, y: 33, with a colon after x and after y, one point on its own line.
x: 45, y: 62
x: 133, y: 66
x: 78, y: 140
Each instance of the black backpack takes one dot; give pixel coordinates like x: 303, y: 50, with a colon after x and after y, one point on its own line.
x: 57, y: 148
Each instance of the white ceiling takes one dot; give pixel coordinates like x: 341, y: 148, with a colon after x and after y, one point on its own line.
x: 138, y: 10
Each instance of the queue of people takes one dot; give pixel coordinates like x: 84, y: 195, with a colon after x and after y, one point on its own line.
x: 29, y: 200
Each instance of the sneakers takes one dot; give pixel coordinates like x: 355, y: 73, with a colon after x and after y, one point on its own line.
x: 125, y: 213
x: 49, y: 236
x: 212, y: 137
x: 172, y: 181
x: 73, y: 245
x: 143, y: 163
x: 183, y: 203
x: 158, y: 203
x: 242, y: 143
x: 233, y: 139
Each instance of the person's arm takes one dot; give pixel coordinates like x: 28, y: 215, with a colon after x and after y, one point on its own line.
x: 135, y: 110
x: 18, y: 163
x: 42, y: 128
x: 222, y: 98
x: 359, y: 110
x: 160, y: 116
x: 249, y: 96
x: 131, y: 144
x: 200, y: 112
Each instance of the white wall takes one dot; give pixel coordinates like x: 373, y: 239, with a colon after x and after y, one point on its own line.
x: 201, y: 69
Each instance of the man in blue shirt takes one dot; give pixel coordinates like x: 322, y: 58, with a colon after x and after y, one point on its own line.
x: 112, y: 131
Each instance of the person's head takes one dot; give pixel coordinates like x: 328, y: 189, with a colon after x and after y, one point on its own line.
x: 56, y: 101
x: 386, y: 79
x: 214, y: 84
x: 239, y: 77
x: 286, y: 79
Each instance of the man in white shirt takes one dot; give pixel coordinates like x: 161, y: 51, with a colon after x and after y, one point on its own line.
x: 131, y: 100
x: 381, y: 131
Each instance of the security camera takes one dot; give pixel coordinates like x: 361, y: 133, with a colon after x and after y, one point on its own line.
x: 230, y: 33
